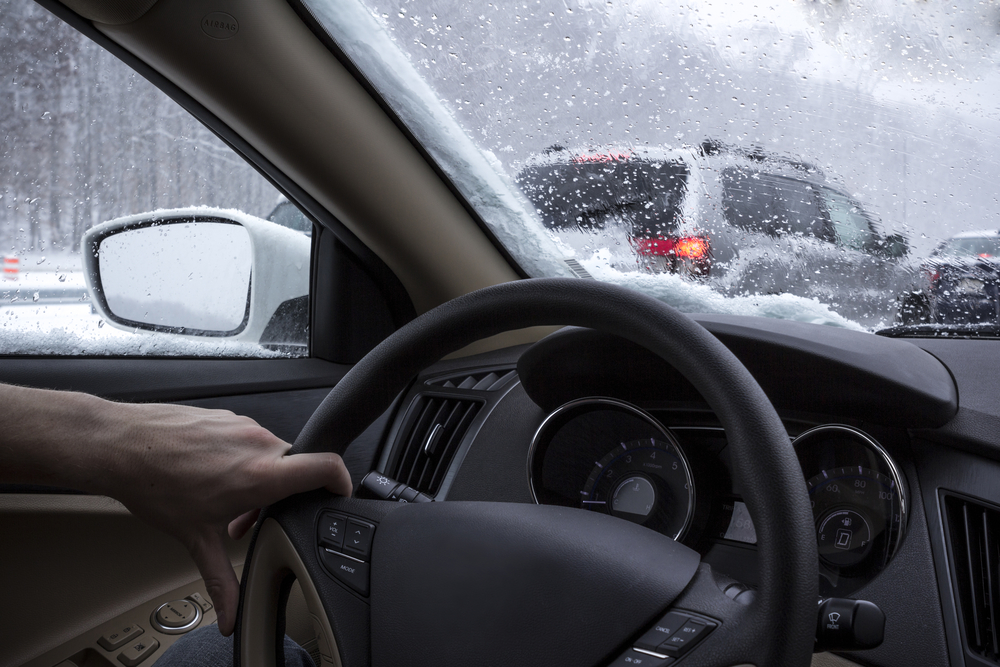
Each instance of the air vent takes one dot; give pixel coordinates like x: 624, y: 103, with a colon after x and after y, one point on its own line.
x: 434, y: 432
x: 481, y: 381
x: 974, y: 529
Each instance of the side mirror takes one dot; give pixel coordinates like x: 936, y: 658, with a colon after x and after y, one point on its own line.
x: 201, y: 272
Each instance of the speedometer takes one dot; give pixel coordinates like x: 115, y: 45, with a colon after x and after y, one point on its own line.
x: 858, y: 501
x: 855, y: 509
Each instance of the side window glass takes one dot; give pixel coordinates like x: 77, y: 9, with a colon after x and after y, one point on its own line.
x: 852, y: 227
x: 127, y: 227
x: 800, y: 211
x: 747, y: 201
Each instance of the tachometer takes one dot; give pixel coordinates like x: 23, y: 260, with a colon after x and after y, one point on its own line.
x: 646, y: 481
x: 610, y: 456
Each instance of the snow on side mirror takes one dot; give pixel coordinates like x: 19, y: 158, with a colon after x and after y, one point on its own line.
x: 201, y: 272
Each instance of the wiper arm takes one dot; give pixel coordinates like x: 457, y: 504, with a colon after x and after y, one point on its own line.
x: 978, y: 330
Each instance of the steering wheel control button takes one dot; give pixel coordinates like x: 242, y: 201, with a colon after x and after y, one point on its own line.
x: 113, y: 640
x: 200, y: 600
x: 633, y: 658
x: 138, y: 651
x: 684, y: 639
x: 176, y: 617
x: 350, y: 571
x: 662, y: 631
x: 331, y: 530
x: 359, y: 538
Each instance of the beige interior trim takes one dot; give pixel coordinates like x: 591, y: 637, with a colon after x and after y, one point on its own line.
x: 78, y: 562
x: 273, y: 559
x: 275, y: 84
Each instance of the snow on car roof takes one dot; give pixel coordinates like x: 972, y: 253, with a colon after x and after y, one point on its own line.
x: 985, y: 233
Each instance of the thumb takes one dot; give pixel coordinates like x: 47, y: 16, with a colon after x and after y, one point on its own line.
x: 209, y: 554
x: 298, y: 473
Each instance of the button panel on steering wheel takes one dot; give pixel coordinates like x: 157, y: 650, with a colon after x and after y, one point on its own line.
x: 673, y: 636
x: 345, y: 549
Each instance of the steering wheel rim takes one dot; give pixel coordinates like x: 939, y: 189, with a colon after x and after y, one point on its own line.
x: 778, y: 626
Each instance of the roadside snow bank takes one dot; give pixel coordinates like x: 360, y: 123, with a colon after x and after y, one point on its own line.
x: 692, y: 297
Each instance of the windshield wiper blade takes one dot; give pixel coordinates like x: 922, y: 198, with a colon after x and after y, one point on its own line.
x: 978, y: 330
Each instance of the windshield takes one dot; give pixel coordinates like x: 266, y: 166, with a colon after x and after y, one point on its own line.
x: 798, y: 160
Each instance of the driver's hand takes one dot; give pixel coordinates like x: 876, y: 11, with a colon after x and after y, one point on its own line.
x: 197, y: 473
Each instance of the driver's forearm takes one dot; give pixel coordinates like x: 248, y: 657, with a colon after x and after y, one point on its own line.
x: 58, y: 438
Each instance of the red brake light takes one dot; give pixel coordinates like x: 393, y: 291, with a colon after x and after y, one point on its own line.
x: 685, y: 247
x: 694, y: 247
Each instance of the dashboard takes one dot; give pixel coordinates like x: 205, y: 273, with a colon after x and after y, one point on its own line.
x: 585, y: 420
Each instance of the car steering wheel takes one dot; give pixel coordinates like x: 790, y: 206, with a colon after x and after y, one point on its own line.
x: 483, y: 583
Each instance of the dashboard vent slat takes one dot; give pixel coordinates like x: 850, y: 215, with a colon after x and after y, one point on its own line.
x: 975, y: 555
x: 480, y: 381
x: 428, y: 444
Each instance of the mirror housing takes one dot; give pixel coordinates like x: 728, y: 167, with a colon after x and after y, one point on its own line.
x: 153, y: 271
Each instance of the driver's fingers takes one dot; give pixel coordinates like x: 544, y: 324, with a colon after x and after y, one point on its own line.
x: 239, y: 526
x: 298, y: 473
x: 209, y: 554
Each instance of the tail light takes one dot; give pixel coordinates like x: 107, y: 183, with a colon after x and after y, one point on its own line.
x: 689, y: 254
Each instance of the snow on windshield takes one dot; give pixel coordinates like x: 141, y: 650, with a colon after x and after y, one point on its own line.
x: 828, y: 147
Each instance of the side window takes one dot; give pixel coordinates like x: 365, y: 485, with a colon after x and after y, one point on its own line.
x: 800, y: 210
x: 852, y: 227
x: 748, y: 202
x: 772, y: 204
x: 127, y: 227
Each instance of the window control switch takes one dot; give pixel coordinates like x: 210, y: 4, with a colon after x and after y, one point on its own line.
x: 138, y: 651
x: 110, y: 641
x: 200, y: 600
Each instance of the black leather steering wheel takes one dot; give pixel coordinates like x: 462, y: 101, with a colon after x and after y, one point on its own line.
x: 456, y: 583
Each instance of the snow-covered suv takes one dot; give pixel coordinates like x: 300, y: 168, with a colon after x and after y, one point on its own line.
x: 742, y: 220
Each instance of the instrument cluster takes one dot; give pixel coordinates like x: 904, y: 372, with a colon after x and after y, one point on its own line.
x: 605, y: 455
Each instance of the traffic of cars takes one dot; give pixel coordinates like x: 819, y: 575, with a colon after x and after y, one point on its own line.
x: 739, y: 219
x: 957, y: 284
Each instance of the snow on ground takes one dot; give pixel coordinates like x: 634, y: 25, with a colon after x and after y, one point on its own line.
x: 73, y: 329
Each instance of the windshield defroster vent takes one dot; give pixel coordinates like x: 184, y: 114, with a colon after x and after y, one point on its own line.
x: 481, y: 381
x: 428, y: 442
x: 974, y: 536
